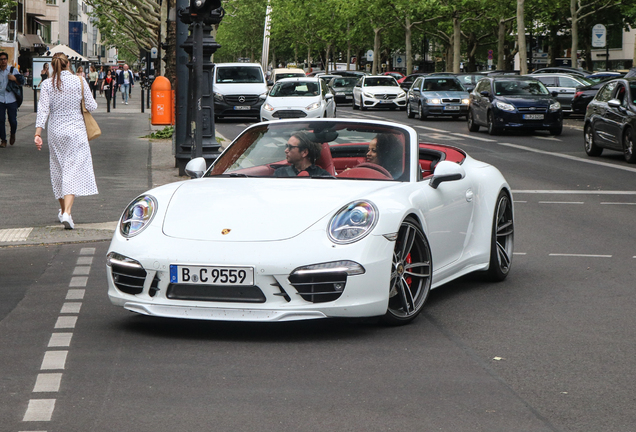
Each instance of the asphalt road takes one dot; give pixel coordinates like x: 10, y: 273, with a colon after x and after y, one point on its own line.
x: 549, y: 349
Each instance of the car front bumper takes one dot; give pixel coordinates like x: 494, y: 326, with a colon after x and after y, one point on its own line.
x: 225, y: 109
x: 455, y: 110
x: 383, y: 103
x: 282, y: 300
x: 515, y: 120
x: 294, y: 112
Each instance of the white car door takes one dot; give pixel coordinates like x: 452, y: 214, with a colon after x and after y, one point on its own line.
x: 449, y: 216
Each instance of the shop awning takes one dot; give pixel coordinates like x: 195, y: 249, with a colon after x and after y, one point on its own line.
x: 30, y: 41
x: 66, y: 50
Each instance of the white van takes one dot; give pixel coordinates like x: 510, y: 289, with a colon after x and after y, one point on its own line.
x: 236, y: 88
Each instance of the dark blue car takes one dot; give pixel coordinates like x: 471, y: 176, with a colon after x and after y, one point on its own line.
x: 512, y: 102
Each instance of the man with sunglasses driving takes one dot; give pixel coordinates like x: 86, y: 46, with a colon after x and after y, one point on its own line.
x: 301, y: 153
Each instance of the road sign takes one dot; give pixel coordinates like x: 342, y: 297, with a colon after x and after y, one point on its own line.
x: 490, y: 55
x: 370, y: 55
x: 153, y: 52
x: 399, y: 61
x: 599, y: 33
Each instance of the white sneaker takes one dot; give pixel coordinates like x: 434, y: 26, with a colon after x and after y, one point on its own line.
x: 59, y: 215
x: 126, y: 103
x: 67, y: 220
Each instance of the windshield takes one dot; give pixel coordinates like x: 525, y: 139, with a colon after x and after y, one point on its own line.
x: 295, y: 89
x: 344, y: 82
x: 442, y: 84
x: 280, y: 76
x: 520, y: 88
x: 380, y: 81
x: 326, y: 150
x: 239, y: 74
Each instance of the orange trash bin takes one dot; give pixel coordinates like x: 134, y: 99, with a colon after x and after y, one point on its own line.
x: 161, y: 108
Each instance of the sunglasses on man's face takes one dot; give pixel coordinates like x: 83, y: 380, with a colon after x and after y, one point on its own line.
x: 289, y: 147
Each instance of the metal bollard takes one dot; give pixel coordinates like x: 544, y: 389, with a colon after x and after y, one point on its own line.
x: 142, y: 99
x: 35, y: 99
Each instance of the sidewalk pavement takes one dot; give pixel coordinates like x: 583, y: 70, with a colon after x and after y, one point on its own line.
x: 26, y: 193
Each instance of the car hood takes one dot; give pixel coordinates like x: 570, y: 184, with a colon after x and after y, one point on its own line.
x: 382, y: 90
x: 240, y: 88
x: 527, y: 101
x: 257, y: 209
x: 294, y: 101
x: 446, y: 94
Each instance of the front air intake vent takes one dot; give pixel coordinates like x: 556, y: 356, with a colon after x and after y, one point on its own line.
x: 319, y: 287
x: 128, y: 279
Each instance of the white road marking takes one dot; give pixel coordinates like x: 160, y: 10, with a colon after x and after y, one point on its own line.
x: 580, y: 255
x: 617, y: 203
x: 65, y: 322
x: 519, y: 253
x: 431, y: 129
x: 47, y: 382
x: 561, y: 202
x: 39, y: 410
x: 520, y: 202
x: 548, y: 138
x: 14, y: 234
x: 441, y: 137
x: 564, y: 156
x: 573, y: 192
x: 474, y: 137
x: 75, y: 294
x: 82, y: 270
x: 60, y: 340
x: 71, y: 308
x: 87, y: 251
x: 85, y: 260
x: 54, y: 360
x: 78, y: 281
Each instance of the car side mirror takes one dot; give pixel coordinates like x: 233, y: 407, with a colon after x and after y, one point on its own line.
x: 196, y: 167
x: 329, y: 96
x: 270, y: 83
x: 554, y: 94
x: 614, y: 103
x: 446, y: 171
x: 469, y: 88
x: 484, y: 93
x: 262, y: 96
x: 415, y: 90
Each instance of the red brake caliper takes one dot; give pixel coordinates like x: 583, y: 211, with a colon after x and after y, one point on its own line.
x: 408, y: 261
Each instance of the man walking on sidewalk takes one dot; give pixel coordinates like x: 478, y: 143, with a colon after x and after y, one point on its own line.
x: 125, y: 80
x: 8, y: 103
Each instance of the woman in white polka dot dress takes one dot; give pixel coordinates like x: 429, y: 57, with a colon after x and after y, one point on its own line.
x: 70, y: 155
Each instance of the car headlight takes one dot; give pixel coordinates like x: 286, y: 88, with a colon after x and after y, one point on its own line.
x: 465, y: 101
x: 434, y: 101
x: 353, y: 222
x: 218, y: 97
x: 369, y: 95
x: 268, y: 107
x: 313, y: 106
x: 401, y: 95
x: 555, y: 106
x: 505, y: 106
x: 138, y: 215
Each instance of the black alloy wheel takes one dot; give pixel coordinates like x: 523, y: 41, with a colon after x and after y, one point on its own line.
x: 355, y: 107
x: 556, y: 131
x: 411, y: 274
x: 362, y: 107
x: 628, y: 146
x: 420, y: 108
x: 492, y: 128
x: 590, y: 146
x: 472, y: 126
x: 502, y: 243
x: 409, y: 111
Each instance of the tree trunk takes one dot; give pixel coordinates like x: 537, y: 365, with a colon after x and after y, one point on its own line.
x: 501, y: 43
x: 348, y: 47
x: 521, y: 39
x: 575, y: 33
x: 457, y: 44
x: 409, y: 48
x: 376, y: 51
x: 309, y: 58
x: 327, y: 51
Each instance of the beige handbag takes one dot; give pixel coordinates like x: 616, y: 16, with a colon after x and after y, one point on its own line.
x: 92, y: 128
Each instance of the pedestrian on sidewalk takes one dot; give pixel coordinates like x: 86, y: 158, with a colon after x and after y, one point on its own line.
x: 126, y: 80
x: 70, y: 155
x: 8, y: 102
x: 92, y: 80
x: 100, y: 79
x: 44, y: 74
x: 108, y: 85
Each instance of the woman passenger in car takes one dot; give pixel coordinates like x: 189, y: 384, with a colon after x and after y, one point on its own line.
x: 386, y: 151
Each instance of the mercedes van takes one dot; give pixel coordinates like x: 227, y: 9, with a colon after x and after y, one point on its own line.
x: 237, y: 88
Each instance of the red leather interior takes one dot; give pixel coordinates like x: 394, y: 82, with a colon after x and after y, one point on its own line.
x: 364, y: 173
x: 325, y: 161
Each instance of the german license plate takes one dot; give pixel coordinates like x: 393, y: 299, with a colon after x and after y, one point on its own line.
x: 451, y: 108
x: 386, y: 101
x: 348, y: 97
x: 242, y: 107
x: 533, y: 116
x: 208, y: 275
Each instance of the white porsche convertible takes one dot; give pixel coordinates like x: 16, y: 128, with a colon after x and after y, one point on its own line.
x: 375, y: 223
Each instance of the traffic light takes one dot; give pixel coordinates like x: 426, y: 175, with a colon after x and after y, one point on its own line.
x: 203, y: 7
